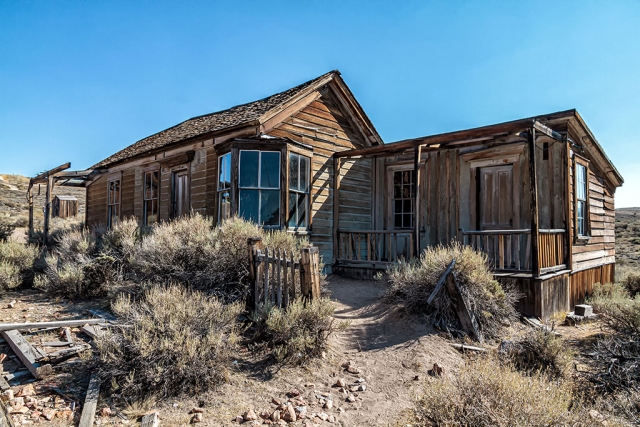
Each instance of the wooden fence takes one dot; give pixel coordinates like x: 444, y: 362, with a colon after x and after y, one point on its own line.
x: 375, y: 245
x: 278, y: 278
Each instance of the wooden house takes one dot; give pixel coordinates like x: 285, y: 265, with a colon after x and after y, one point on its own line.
x: 535, y: 194
x: 64, y: 206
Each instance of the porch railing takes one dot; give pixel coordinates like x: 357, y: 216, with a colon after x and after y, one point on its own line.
x: 382, y: 246
x: 510, y: 250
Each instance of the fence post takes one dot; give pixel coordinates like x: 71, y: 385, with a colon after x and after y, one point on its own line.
x: 253, y: 243
x: 309, y: 272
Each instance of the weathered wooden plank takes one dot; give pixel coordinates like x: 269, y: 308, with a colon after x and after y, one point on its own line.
x: 466, y: 316
x: 90, y: 402
x: 150, y: 420
x: 440, y: 283
x: 26, y: 353
x: 42, y: 325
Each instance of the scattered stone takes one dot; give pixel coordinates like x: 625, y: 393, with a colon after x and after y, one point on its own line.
x: 360, y: 380
x: 18, y: 402
x: 353, y: 370
x: 65, y: 415
x: 341, y: 409
x: 11, y: 304
x: 35, y: 415
x: 354, y: 388
x: 294, y: 393
x: 275, y: 416
x: 289, y: 414
x: 7, y: 395
x: 328, y: 404
x: 351, y: 398
x: 250, y: 415
x: 323, y: 416
x: 437, y: 370
x: 276, y: 401
x: 332, y: 419
x: 49, y: 413
x: 196, y: 410
x: 340, y: 383
x: 310, y: 385
x: 197, y: 418
x: 18, y: 410
x: 416, y: 378
x: 239, y: 419
x: 105, y: 412
x: 362, y: 387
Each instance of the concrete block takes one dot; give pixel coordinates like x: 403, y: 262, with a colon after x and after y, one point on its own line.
x: 583, y: 310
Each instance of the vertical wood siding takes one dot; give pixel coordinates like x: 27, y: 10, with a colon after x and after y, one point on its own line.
x: 97, y: 202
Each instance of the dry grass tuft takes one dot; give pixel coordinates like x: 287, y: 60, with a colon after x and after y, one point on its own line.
x: 17, y: 264
x: 177, y: 342
x: 539, y: 352
x: 412, y: 283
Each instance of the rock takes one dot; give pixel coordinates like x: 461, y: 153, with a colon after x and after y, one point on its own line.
x: 341, y: 409
x: 239, y: 419
x: 11, y: 304
x: 360, y: 380
x: 276, y: 401
x: 323, y: 416
x: 196, y: 410
x: 340, y: 383
x: 105, y: 412
x: 65, y: 415
x: 49, y: 413
x: 362, y: 387
x: 35, y: 415
x: 328, y: 404
x: 250, y: 415
x: 18, y: 402
x: 275, y: 416
x: 416, y: 378
x: 309, y: 385
x: 354, y: 388
x: 437, y: 370
x: 289, y: 414
x: 293, y: 393
x: 7, y: 395
x: 265, y: 415
x: 331, y: 419
x: 197, y: 418
x: 353, y: 370
x: 351, y: 398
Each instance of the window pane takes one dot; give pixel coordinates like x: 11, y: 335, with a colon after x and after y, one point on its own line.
x: 151, y: 212
x: 294, y: 178
x: 406, y: 223
x: 270, y: 207
x: 406, y: 206
x: 397, y: 177
x: 406, y: 191
x: 293, y: 212
x: 297, y: 210
x: 224, y: 174
x: 270, y: 170
x: 304, y: 174
x: 249, y: 205
x: 398, y: 206
x: 224, y: 205
x: 249, y: 168
x: 398, y: 221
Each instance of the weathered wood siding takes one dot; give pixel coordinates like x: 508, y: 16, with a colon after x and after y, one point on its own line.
x: 324, y: 126
x: 582, y: 282
x: 97, y: 202
x: 128, y: 193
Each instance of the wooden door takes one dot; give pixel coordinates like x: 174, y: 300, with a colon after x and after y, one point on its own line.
x: 496, y: 198
x: 180, y: 193
x: 400, y: 215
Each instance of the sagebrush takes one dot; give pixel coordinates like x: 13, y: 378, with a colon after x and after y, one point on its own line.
x: 17, y: 264
x: 538, y: 352
x: 411, y: 283
x: 176, y: 341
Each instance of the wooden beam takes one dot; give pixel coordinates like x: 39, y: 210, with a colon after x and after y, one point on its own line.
x: 47, y: 211
x: 90, y: 402
x: 46, y: 174
x: 30, y: 200
x: 416, y: 199
x: 568, y: 216
x: 26, y: 353
x: 535, y: 232
x: 42, y: 325
x: 441, y: 281
x: 465, y: 315
x: 336, y: 208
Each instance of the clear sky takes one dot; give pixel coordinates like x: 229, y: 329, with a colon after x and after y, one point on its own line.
x: 81, y: 80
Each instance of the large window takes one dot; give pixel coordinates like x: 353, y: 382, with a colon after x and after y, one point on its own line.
x: 259, y: 186
x: 113, y: 202
x: 582, y: 197
x: 403, y: 199
x: 298, y: 191
x: 224, y: 186
x: 150, y: 197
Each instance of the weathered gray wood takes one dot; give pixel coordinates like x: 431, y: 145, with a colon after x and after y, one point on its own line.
x: 467, y: 319
x: 535, y: 236
x: 90, y: 402
x: 40, y: 325
x: 4, y: 385
x: 468, y: 347
x: 285, y: 280
x: 26, y: 353
x: 440, y: 283
x: 278, y: 265
x: 150, y: 420
x: 265, y: 285
x: 56, y: 344
x: 89, y: 330
x: 58, y: 355
x: 5, y: 418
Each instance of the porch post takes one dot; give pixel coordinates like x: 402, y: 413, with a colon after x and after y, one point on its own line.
x: 47, y: 210
x: 416, y: 199
x: 535, y: 231
x: 30, y: 199
x: 336, y: 207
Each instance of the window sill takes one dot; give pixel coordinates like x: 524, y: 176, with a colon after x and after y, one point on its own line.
x: 299, y: 232
x: 583, y: 239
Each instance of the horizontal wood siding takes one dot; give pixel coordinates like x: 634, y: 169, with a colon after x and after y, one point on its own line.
x: 582, y: 282
x: 199, y: 182
x: 211, y: 182
x: 324, y: 126
x: 97, y: 202
x: 128, y: 193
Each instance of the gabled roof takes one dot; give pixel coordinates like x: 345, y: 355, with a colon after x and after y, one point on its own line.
x: 246, y: 114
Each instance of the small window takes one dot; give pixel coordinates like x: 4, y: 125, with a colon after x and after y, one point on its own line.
x: 403, y: 199
x: 224, y: 187
x: 582, y: 197
x: 150, y: 197
x: 113, y: 198
x: 259, y: 185
x: 298, y: 191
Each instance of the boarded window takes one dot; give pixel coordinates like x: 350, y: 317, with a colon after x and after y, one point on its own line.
x: 403, y: 199
x: 113, y: 207
x: 224, y: 187
x: 582, y: 196
x: 259, y: 185
x: 298, y: 191
x: 151, y: 197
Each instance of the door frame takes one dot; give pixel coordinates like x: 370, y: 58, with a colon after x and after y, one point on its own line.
x: 174, y: 172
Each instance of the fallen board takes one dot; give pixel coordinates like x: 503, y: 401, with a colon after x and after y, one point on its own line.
x: 41, y: 325
x: 26, y: 353
x: 465, y: 315
x: 440, y: 283
x: 90, y: 402
x: 150, y: 420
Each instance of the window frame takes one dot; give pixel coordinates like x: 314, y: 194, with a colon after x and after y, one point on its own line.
x: 155, y: 197
x: 111, y: 202
x: 259, y: 188
x: 306, y: 193
x: 402, y: 169
x: 586, y: 235
x: 220, y: 190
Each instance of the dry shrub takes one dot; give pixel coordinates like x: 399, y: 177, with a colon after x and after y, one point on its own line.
x: 488, y: 393
x: 632, y: 283
x: 57, y: 227
x: 619, y: 311
x: 538, y: 351
x: 412, y: 283
x: 176, y: 342
x: 6, y: 229
x: 301, y: 331
x: 16, y: 264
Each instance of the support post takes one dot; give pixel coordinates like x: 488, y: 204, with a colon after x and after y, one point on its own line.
x: 535, y: 230
x: 310, y: 272
x: 416, y: 200
x: 30, y: 200
x: 47, y: 210
x: 567, y: 220
x: 253, y: 243
x: 336, y: 208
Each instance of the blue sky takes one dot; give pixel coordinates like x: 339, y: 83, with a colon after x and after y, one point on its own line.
x: 81, y: 80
